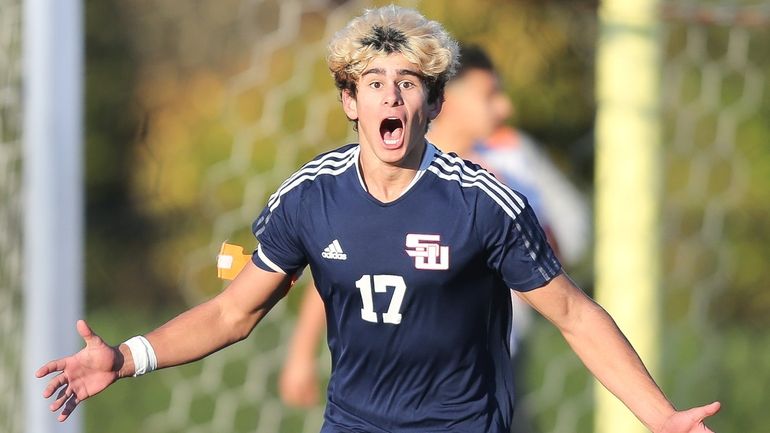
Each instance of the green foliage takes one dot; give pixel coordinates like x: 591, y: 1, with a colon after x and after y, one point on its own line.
x: 544, y: 52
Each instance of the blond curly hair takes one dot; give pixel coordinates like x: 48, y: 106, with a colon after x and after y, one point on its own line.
x: 393, y: 29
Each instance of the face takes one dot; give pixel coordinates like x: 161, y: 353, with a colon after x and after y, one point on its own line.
x: 477, y: 100
x: 392, y: 110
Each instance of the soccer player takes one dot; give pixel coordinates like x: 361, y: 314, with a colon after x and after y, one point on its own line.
x: 474, y: 107
x: 413, y: 252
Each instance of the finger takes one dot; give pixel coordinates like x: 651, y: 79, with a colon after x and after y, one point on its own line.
x: 72, y: 403
x: 61, y: 398
x: 54, y: 384
x: 706, y: 411
x: 64, y: 392
x: 86, y: 332
x: 50, y: 367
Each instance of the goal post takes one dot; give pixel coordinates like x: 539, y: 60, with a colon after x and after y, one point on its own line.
x: 628, y: 155
x: 52, y: 259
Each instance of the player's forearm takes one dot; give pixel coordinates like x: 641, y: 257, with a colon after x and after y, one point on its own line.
x: 190, y: 336
x: 606, y: 352
x: 217, y: 323
x: 198, y: 332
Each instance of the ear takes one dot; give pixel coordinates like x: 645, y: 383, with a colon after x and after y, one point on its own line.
x: 434, y: 108
x: 349, y: 105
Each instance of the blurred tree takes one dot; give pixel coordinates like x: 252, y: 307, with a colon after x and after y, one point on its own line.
x: 116, y: 259
x: 544, y: 51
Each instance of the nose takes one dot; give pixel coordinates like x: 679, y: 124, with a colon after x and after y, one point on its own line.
x: 392, y: 96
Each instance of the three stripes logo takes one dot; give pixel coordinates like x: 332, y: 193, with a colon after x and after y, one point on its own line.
x: 334, y: 251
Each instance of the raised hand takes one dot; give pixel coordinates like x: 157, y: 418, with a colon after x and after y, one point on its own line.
x: 83, y: 374
x: 690, y: 421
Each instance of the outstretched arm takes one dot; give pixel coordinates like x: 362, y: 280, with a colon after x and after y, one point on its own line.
x: 200, y: 331
x: 225, y: 319
x: 606, y: 352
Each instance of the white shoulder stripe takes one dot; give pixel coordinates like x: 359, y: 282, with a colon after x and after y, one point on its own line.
x: 332, y: 167
x: 314, y: 166
x: 483, y: 177
x: 331, y: 170
x: 475, y: 182
x: 484, y: 185
x: 268, y: 262
x: 457, y: 161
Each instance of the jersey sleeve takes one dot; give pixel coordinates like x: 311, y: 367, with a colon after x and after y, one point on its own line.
x: 277, y: 231
x: 515, y: 243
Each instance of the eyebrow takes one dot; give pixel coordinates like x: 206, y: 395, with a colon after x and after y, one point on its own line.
x: 400, y: 72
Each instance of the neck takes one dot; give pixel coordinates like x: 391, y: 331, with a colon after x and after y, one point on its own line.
x: 387, y: 182
x: 449, y: 138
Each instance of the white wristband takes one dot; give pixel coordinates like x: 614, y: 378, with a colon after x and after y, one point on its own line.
x: 143, y: 354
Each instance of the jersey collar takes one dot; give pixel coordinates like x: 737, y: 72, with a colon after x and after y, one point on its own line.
x: 427, y: 158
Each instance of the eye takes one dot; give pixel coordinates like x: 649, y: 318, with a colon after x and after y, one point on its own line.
x: 375, y: 85
x: 406, y: 84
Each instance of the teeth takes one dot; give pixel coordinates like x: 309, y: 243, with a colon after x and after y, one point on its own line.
x: 392, y: 132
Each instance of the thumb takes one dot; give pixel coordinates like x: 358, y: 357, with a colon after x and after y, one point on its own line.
x: 85, y: 331
x: 705, y: 411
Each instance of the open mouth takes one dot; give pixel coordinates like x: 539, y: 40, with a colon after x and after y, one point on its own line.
x: 392, y: 131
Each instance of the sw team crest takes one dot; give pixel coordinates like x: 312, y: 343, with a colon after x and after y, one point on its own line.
x: 427, y: 252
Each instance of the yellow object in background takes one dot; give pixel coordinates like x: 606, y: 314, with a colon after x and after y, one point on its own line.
x: 230, y: 261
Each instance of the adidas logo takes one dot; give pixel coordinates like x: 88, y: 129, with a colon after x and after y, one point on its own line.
x: 334, y: 251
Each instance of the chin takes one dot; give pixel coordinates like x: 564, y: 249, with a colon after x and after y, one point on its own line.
x: 391, y: 156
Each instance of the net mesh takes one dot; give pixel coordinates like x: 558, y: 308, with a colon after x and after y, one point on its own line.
x: 715, y: 69
x: 715, y: 101
x: 10, y: 215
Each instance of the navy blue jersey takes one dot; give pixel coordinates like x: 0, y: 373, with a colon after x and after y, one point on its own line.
x: 416, y: 290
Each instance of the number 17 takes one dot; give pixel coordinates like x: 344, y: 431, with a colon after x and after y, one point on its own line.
x: 381, y: 284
